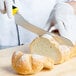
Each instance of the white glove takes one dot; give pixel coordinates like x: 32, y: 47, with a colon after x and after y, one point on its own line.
x: 65, y: 21
x: 6, y: 7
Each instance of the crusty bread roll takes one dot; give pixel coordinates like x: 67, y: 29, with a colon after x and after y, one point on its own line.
x: 54, y: 47
x: 73, y: 51
x: 30, y: 63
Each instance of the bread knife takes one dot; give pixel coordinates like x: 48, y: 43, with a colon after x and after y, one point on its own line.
x: 20, y: 20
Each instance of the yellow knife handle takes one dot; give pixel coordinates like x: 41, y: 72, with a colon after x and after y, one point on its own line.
x: 14, y: 10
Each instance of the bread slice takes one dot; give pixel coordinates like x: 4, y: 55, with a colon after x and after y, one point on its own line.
x: 54, y: 47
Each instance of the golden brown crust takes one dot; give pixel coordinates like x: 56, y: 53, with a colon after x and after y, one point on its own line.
x: 30, y: 63
x: 73, y: 51
x: 16, y: 55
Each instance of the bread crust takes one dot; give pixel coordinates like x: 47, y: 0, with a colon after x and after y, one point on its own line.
x: 30, y: 63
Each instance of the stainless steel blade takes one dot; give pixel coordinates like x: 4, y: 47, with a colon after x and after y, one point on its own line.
x: 24, y: 23
x: 21, y: 21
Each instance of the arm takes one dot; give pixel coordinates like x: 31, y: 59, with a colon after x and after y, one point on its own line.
x: 64, y: 19
x: 73, y: 4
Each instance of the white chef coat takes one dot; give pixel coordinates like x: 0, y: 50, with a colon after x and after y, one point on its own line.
x: 64, y: 20
x: 35, y: 11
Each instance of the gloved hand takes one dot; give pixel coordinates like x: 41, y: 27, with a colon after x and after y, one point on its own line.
x: 64, y: 19
x: 6, y: 7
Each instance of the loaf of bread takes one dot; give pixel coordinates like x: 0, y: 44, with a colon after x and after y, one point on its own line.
x: 30, y: 63
x: 54, y: 47
x: 73, y: 51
